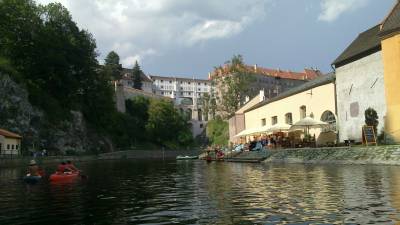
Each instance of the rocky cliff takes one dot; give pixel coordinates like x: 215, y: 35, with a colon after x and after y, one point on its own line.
x: 67, y: 137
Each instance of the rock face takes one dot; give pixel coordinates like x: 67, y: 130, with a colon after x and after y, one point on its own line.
x: 67, y: 137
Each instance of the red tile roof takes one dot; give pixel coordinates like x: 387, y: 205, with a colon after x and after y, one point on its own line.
x: 308, y: 74
x: 9, y: 134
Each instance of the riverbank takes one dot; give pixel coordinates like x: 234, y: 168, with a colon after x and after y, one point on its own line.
x: 129, y: 154
x: 374, y: 155
x: 12, y: 162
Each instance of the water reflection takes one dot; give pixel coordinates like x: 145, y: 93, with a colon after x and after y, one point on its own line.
x: 194, y: 192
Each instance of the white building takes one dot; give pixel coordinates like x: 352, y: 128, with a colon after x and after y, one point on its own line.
x: 360, y: 84
x: 186, y: 93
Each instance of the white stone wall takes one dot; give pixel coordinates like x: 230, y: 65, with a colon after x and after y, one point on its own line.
x: 361, y: 84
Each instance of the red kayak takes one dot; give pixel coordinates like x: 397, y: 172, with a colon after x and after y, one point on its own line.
x: 62, y: 177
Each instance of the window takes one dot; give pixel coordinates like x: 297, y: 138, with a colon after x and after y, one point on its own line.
x: 201, y: 125
x: 199, y: 89
x: 170, y: 81
x: 289, y: 118
x: 198, y: 83
x: 161, y: 81
x: 162, y: 87
x: 274, y: 120
x: 181, y: 93
x: 303, y: 112
x: 12, y: 147
x: 181, y: 88
x: 188, y: 82
x: 263, y: 122
x: 329, y: 117
x: 16, y: 147
x: 162, y: 92
x: 8, y: 146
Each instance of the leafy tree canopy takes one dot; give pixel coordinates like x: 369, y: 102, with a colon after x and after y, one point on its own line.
x: 234, y: 85
x: 112, y: 68
x: 137, y: 76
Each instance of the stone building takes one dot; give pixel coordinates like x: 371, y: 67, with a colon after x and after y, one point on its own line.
x: 127, y: 80
x: 360, y: 84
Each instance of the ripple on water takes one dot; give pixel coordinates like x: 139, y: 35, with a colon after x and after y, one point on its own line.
x: 133, y: 192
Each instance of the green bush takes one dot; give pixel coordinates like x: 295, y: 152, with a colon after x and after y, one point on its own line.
x: 217, y: 132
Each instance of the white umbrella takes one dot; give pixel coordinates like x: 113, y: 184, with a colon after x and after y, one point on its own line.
x: 308, y: 123
x: 278, y: 128
x: 247, y: 132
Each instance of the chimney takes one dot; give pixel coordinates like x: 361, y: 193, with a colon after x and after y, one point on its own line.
x: 255, y: 68
x: 262, y: 95
x: 247, y: 99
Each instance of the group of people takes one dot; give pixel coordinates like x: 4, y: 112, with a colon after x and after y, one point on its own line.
x: 63, y: 167
x: 260, y: 143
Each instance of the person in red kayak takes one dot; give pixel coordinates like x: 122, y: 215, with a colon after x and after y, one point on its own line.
x: 71, y: 166
x: 63, y: 168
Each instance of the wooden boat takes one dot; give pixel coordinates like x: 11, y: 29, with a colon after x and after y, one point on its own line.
x: 186, y: 157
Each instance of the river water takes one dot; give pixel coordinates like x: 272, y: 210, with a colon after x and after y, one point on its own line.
x: 194, y: 192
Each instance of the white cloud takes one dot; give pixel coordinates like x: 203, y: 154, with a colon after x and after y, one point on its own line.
x: 134, y: 27
x: 332, y: 9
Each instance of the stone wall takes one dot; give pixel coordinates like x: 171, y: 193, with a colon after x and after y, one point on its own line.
x: 148, y: 154
x: 383, y: 155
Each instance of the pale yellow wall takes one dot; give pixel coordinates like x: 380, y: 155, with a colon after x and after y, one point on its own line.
x: 321, y: 100
x: 10, y: 142
x: 391, y: 64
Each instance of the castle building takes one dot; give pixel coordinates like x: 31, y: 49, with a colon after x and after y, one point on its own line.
x: 187, y: 94
x: 272, y: 81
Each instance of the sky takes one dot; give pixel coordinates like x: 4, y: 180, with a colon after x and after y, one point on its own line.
x: 188, y: 38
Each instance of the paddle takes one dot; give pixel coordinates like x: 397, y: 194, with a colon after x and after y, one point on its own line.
x: 83, y: 176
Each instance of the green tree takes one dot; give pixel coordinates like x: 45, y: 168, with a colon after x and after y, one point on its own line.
x: 137, y: 76
x: 371, y: 118
x: 205, y: 102
x: 217, y: 132
x: 166, y: 126
x: 112, y: 68
x: 234, y: 85
x: 137, y: 108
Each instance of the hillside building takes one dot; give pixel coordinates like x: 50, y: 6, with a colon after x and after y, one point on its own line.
x: 10, y: 143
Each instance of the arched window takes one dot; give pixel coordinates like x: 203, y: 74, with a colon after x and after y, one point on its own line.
x: 288, y: 118
x: 303, y: 112
x: 329, y: 117
x: 189, y: 114
x: 200, y: 115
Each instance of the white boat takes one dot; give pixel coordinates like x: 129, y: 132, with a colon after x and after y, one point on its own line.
x: 186, y: 157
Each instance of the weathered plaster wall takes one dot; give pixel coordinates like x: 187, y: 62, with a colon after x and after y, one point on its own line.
x: 359, y: 85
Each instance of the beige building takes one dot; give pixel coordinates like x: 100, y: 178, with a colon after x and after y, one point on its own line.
x: 10, y: 143
x: 236, y: 123
x: 315, y: 98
